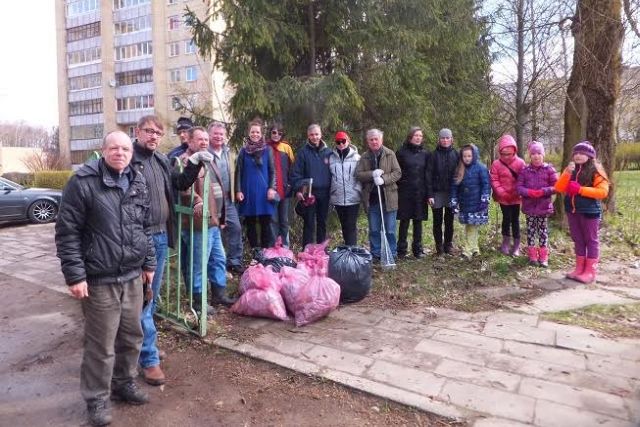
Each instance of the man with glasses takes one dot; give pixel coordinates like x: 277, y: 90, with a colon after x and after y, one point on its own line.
x: 162, y: 182
x: 312, y: 162
x: 283, y: 159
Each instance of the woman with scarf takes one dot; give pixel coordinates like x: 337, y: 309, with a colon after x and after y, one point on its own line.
x: 255, y: 185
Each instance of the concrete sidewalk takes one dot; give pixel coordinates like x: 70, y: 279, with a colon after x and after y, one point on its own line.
x: 491, y: 369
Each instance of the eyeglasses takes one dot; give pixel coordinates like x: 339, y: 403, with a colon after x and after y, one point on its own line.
x: 276, y: 132
x: 152, y: 132
x: 341, y: 141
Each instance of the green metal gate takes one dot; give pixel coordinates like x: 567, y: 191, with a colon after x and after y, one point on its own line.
x: 176, y: 296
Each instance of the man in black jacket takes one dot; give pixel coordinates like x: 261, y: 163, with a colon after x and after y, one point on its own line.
x: 107, y: 253
x: 162, y: 181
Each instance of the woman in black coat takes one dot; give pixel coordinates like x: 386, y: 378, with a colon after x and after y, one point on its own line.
x: 412, y: 205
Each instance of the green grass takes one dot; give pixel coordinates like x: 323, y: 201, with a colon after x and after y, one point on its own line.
x: 610, y: 320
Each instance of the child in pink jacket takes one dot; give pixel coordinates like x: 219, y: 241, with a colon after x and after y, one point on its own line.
x: 504, y: 176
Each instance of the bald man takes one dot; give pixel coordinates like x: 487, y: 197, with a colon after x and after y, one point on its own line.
x: 106, y: 252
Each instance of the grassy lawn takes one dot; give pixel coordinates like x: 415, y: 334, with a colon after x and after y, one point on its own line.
x: 610, y: 320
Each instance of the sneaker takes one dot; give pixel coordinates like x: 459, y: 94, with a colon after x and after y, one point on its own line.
x: 130, y: 393
x: 153, y: 375
x: 99, y: 412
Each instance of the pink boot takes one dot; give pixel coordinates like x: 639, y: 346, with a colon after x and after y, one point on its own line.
x: 532, y: 251
x: 580, y: 261
x: 515, y: 249
x: 544, y: 256
x: 590, y: 270
x: 504, y: 248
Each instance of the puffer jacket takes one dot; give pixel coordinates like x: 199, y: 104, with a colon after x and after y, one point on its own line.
x: 346, y: 190
x: 392, y: 173
x: 413, y: 160
x: 587, y: 201
x: 101, y: 234
x: 503, y: 181
x: 440, y: 170
x: 542, y: 178
x: 473, y: 188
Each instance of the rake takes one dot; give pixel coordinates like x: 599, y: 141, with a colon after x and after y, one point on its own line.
x: 386, y: 257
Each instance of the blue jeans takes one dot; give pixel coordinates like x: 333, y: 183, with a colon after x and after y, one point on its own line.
x: 280, y: 221
x: 217, y: 261
x: 375, y: 230
x: 149, y: 352
x: 232, y: 234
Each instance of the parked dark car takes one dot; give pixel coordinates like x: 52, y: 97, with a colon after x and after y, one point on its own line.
x: 38, y: 205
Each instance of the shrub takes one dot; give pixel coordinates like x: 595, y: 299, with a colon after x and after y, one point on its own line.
x: 21, y: 178
x: 52, y: 179
x: 628, y: 156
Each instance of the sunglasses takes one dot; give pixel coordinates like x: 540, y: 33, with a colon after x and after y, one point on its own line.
x: 341, y: 141
x: 276, y: 132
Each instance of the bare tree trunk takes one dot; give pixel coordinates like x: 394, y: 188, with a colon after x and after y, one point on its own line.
x: 520, y: 107
x: 594, y: 85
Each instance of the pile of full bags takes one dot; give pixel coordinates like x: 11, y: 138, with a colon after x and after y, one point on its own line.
x: 278, y: 283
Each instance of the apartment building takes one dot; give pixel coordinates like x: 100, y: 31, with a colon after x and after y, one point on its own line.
x: 119, y: 60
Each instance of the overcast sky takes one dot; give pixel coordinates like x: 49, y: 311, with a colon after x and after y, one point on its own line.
x: 28, y: 82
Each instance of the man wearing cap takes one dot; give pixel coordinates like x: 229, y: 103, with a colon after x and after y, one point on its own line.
x: 182, y: 129
x: 441, y: 168
x: 162, y: 183
x: 312, y: 163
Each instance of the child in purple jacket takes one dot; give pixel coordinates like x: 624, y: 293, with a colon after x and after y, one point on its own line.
x: 536, y: 186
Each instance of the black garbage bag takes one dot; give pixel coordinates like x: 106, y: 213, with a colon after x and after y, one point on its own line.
x: 275, y: 262
x: 351, y: 268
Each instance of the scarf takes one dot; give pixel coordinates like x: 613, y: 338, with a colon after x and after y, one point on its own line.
x: 252, y: 147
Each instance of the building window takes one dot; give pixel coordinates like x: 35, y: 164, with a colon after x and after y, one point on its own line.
x: 132, y: 25
x: 174, y: 22
x: 172, y: 1
x: 83, y: 32
x: 83, y: 56
x: 88, y: 106
x: 80, y: 156
x: 80, y: 7
x: 174, y: 49
x: 133, y: 50
x: 87, y: 131
x: 175, y: 75
x: 134, y: 77
x: 189, y: 47
x: 134, y: 102
x: 132, y: 131
x: 121, y: 4
x: 175, y: 103
x: 85, y: 82
x: 190, y: 74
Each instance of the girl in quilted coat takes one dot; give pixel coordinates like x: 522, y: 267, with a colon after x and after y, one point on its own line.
x: 504, y: 174
x: 535, y: 186
x: 470, y: 193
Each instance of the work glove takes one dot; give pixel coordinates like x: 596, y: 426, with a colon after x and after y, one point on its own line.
x: 201, y: 157
x: 535, y: 194
x: 378, y: 180
x: 484, y: 202
x: 573, y: 188
x: 377, y: 173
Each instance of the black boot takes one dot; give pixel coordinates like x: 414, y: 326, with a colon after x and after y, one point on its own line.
x: 418, y: 252
x: 99, y: 412
x: 129, y: 393
x: 448, y: 248
x: 197, y: 305
x: 439, y: 249
x: 219, y: 296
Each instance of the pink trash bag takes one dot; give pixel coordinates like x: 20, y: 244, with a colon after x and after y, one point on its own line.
x: 314, y: 259
x: 259, y: 277
x: 278, y: 251
x: 261, y: 303
x: 292, y: 279
x: 315, y: 300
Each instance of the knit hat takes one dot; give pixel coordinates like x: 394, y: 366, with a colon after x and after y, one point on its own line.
x: 585, y: 148
x: 445, y: 133
x: 184, y: 123
x: 536, y: 147
x: 341, y: 135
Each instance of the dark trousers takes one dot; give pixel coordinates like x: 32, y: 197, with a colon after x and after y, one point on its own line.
x: 112, y: 338
x: 403, y: 232
x: 315, y: 219
x: 440, y: 215
x: 266, y: 235
x: 348, y: 216
x: 510, y: 220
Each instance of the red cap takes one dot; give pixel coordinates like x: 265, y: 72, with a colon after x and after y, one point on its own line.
x: 341, y: 135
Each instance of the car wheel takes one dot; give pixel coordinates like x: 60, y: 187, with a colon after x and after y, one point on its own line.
x: 42, y: 211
